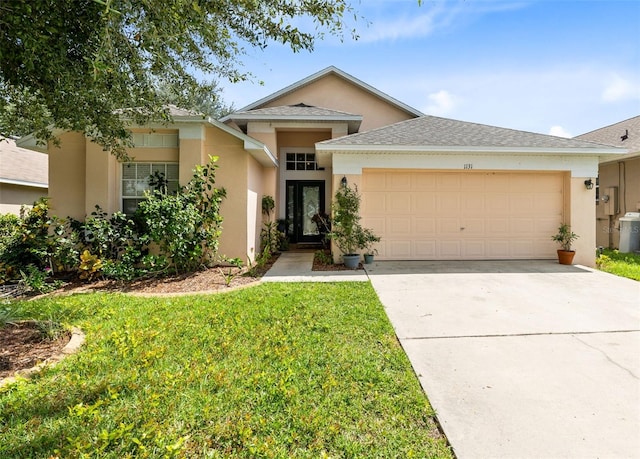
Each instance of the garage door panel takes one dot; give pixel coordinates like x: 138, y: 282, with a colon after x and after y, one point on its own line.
x: 424, y: 226
x: 425, y: 249
x: 474, y: 226
x: 448, y: 181
x: 377, y: 224
x: 424, y: 181
x: 463, y: 215
x: 373, y: 181
x: 498, y: 249
x: 399, y: 250
x: 474, y: 249
x: 448, y: 204
x: 550, y: 182
x: 422, y: 203
x: 499, y: 183
x: 373, y: 202
x: 496, y: 203
x: 545, y: 202
x: 520, y: 203
x: 399, y: 226
x: 498, y: 226
x: 473, y: 203
x: 523, y: 226
x: 398, y: 203
x: 398, y: 182
x: 448, y: 226
x: 547, y: 226
x: 473, y: 182
x: 522, y: 249
x: 450, y: 250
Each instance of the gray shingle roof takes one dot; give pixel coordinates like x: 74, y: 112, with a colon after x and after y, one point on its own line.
x: 22, y: 165
x: 613, y: 135
x: 433, y: 131
x: 300, y: 110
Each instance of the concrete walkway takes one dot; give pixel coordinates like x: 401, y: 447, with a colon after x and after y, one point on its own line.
x: 297, y: 267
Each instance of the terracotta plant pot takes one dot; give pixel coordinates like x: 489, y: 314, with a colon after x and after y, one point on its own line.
x: 565, y: 257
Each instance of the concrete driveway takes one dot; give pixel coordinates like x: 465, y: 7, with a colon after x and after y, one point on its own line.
x: 521, y: 359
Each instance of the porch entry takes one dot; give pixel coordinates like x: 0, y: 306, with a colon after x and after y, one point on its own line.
x: 304, y: 199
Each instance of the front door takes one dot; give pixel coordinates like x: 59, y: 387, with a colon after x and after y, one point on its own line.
x: 305, y: 198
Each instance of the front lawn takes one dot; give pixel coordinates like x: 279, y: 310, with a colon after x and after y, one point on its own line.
x: 277, y: 370
x: 620, y: 264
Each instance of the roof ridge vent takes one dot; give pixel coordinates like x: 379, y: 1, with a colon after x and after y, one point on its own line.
x: 301, y: 104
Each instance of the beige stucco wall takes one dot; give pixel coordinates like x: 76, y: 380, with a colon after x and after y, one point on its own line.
x: 232, y: 176
x: 255, y: 191
x: 13, y: 197
x: 67, y: 168
x: 581, y: 217
x: 623, y: 175
x: 301, y: 138
x: 336, y: 93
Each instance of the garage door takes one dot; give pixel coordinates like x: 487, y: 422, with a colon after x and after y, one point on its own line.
x: 472, y: 215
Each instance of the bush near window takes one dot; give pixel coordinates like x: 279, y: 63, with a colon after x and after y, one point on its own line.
x: 181, y: 230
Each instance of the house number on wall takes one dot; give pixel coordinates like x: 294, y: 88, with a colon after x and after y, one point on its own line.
x: 468, y: 166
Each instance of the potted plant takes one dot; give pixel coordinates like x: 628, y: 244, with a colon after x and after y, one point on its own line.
x: 346, y: 231
x: 565, y: 238
x: 368, y: 239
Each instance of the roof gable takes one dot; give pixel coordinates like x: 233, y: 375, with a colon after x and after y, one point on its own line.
x: 334, y: 90
x: 331, y: 70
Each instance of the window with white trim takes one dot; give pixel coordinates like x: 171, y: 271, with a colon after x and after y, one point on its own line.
x: 137, y: 178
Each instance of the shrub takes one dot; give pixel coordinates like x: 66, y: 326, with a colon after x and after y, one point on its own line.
x: 186, y: 226
x: 30, y: 242
x: 9, y: 225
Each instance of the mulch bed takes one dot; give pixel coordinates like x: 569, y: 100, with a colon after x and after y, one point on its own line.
x: 22, y: 346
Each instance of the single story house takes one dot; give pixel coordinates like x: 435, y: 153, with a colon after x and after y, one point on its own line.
x: 618, y: 187
x: 23, y: 176
x: 432, y: 188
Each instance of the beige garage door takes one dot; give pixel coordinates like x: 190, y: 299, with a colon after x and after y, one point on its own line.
x: 471, y: 215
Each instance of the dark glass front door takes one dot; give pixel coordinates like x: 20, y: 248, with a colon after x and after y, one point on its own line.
x: 304, y: 200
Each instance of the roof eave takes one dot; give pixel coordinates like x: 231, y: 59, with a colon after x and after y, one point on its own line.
x: 328, y: 147
x: 9, y: 181
x: 321, y: 118
x: 257, y: 149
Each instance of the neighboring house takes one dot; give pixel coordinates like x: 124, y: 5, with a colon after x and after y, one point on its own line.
x: 619, y: 179
x: 432, y: 188
x: 23, y: 176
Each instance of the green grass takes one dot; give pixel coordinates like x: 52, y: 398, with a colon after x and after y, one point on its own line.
x: 277, y: 370
x: 620, y: 264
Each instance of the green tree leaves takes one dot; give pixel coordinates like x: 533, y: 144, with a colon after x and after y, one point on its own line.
x: 86, y: 64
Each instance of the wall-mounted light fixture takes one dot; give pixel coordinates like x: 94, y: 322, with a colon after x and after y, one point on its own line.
x: 343, y: 182
x: 588, y: 184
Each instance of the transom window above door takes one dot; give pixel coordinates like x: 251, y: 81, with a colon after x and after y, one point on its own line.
x: 301, y: 162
